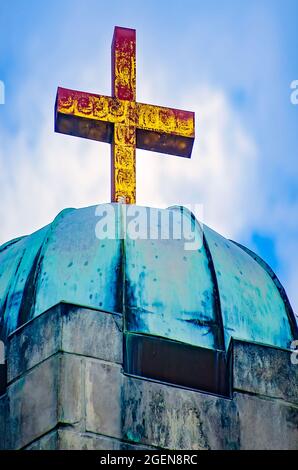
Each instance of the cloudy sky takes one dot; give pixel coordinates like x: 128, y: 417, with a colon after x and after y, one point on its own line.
x: 232, y: 62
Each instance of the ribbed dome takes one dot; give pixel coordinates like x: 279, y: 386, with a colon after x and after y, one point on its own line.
x: 201, y: 297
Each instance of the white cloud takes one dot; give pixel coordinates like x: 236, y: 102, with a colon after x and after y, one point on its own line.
x: 223, y: 173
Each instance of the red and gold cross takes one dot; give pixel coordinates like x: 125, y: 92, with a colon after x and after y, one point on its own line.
x: 123, y: 122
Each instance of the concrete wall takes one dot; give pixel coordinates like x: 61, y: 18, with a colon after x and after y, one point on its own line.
x: 67, y: 390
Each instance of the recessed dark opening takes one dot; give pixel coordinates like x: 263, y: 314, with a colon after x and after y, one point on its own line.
x: 178, y: 363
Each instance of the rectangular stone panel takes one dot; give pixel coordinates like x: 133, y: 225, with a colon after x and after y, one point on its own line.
x: 266, y: 424
x: 265, y: 371
x: 68, y: 328
x: 33, y: 343
x: 50, y: 393
x: 174, y: 418
x: 103, y: 398
x: 33, y: 403
x: 92, y: 333
x: 70, y: 389
x: 4, y: 441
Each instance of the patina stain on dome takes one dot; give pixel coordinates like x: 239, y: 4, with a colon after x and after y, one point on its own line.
x: 202, y: 297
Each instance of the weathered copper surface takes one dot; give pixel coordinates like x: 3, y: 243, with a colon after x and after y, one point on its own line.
x: 201, y: 298
x: 123, y: 122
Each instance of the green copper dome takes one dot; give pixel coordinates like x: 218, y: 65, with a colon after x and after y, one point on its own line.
x: 202, y: 296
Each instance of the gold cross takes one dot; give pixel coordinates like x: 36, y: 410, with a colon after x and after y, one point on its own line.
x: 123, y: 122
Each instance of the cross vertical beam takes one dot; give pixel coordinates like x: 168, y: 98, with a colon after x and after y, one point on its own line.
x: 123, y: 161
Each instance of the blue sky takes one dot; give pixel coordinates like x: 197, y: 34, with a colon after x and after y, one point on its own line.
x: 231, y: 62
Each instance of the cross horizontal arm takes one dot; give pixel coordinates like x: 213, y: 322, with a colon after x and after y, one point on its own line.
x: 92, y: 116
x: 165, y: 130
x: 89, y: 115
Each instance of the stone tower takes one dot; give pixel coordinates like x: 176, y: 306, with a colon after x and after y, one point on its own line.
x: 126, y: 343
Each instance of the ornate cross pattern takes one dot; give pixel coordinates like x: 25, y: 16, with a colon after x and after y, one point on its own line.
x: 123, y: 122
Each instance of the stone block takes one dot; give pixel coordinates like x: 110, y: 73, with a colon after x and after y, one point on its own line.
x: 49, y: 394
x: 174, y: 418
x: 33, y: 343
x: 33, y: 403
x: 65, y: 328
x: 92, y: 333
x: 103, y: 398
x: 4, y: 430
x: 265, y: 371
x: 266, y: 424
x: 70, y: 388
x: 47, y: 442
